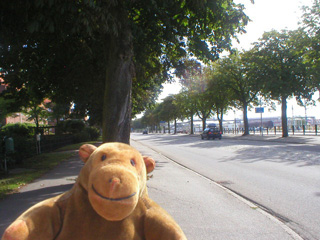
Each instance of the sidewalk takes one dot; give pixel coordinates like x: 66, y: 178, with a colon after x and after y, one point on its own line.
x: 55, y: 182
x: 203, y: 209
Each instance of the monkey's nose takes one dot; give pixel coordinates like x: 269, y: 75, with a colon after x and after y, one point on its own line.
x: 114, y: 182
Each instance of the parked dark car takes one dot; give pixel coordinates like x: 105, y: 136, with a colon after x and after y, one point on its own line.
x: 211, y: 133
x: 145, y: 132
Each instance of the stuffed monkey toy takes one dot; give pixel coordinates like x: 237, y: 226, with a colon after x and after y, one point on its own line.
x: 109, y: 201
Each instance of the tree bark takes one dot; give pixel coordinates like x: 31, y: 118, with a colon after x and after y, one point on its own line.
x: 192, y: 132
x: 204, y: 121
x: 118, y: 87
x: 284, y: 117
x: 220, y: 119
x: 245, y: 119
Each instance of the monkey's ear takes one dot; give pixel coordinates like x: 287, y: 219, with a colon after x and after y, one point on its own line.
x: 150, y: 163
x: 85, y: 151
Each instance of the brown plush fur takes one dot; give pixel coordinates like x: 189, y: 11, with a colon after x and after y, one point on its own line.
x: 108, y: 201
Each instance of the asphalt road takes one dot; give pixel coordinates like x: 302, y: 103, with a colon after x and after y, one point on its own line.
x: 283, y: 179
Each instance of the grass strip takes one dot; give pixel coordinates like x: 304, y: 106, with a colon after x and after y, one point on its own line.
x: 34, y: 167
x: 31, y: 169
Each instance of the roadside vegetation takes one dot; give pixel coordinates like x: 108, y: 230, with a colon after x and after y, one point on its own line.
x: 281, y: 65
x: 69, y: 67
x: 34, y: 167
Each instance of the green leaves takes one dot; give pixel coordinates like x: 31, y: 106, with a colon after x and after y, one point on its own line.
x: 280, y: 64
x: 71, y: 45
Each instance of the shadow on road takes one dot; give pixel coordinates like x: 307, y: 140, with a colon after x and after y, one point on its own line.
x: 251, y: 151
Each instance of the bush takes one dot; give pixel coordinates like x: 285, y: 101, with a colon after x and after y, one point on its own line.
x: 23, y: 148
x: 18, y: 129
x: 93, y: 132
x: 70, y: 126
x: 87, y: 134
x: 23, y: 140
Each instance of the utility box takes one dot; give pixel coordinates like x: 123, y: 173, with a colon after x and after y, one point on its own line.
x: 9, y: 145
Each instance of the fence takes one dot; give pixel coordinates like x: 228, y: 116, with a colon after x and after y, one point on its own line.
x: 49, y: 143
x: 304, y: 130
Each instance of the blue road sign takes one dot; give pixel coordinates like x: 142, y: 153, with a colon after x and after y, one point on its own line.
x: 259, y: 110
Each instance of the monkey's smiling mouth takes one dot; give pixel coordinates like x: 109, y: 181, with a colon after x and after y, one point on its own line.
x: 112, y: 199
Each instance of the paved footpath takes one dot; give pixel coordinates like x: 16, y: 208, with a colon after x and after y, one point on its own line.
x: 203, y: 209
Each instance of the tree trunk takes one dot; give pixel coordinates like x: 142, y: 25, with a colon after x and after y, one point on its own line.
x: 284, y: 117
x: 245, y: 119
x: 169, y: 127
x: 117, y: 95
x: 204, y: 121
x: 175, y: 126
x: 192, y: 132
x: 220, y: 118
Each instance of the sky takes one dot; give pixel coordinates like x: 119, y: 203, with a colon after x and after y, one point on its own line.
x: 265, y: 15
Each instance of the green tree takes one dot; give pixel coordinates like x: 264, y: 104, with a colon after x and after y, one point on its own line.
x: 4, y: 112
x: 188, y: 71
x: 134, y: 40
x: 168, y: 111
x: 243, y: 88
x: 311, y: 38
x: 151, y: 119
x: 203, y: 103
x: 37, y: 113
x: 280, y: 68
x: 219, y: 92
x: 185, y: 101
x: 57, y: 111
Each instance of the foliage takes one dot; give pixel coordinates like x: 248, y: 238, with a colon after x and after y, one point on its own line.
x: 92, y: 52
x: 18, y: 129
x: 311, y: 26
x: 184, y: 100
x: 87, y: 134
x: 72, y: 126
x: 24, y: 137
x: 278, y: 62
x: 220, y: 93
x: 37, y: 113
x: 242, y: 87
x: 78, y: 128
x: 93, y: 132
x: 24, y: 144
x: 138, y: 124
x: 57, y: 111
x: 4, y: 106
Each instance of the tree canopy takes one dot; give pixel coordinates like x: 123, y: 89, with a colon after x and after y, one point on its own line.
x: 280, y: 68
x: 281, y: 65
x: 96, y: 54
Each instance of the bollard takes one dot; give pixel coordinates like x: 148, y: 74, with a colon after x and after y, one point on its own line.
x: 316, y: 129
x: 292, y: 130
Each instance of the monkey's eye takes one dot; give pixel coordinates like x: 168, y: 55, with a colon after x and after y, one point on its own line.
x: 103, y: 157
x: 133, y: 163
